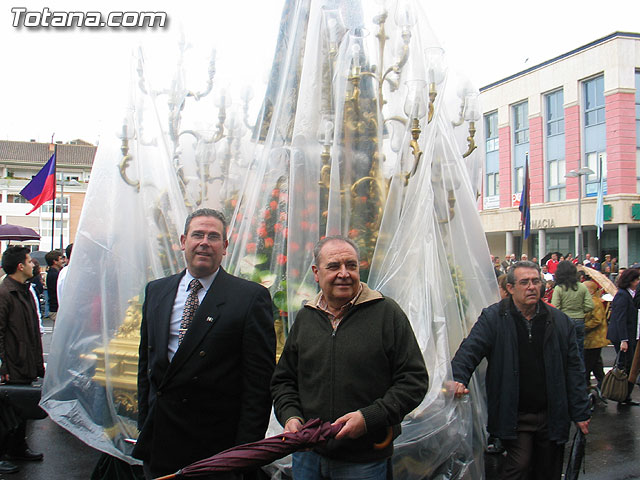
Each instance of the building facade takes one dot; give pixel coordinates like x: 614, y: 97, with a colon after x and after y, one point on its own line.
x: 19, y: 162
x: 569, y: 116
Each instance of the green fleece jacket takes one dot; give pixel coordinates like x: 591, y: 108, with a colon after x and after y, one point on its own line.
x: 371, y: 362
x: 573, y: 303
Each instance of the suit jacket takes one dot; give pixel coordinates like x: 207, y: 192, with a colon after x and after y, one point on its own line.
x: 214, y: 394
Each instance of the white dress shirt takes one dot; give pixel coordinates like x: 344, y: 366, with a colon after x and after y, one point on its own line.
x: 178, y: 306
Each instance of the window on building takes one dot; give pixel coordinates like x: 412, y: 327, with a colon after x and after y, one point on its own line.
x: 595, y: 138
x: 520, y: 114
x: 47, y: 207
x: 554, y: 118
x: 594, y: 101
x: 45, y: 228
x: 492, y: 151
x: 16, y: 198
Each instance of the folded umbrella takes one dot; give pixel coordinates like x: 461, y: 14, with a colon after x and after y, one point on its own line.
x: 263, y: 452
x: 576, y: 456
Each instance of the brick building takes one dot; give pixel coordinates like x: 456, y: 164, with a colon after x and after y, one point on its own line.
x: 19, y: 162
x: 576, y: 111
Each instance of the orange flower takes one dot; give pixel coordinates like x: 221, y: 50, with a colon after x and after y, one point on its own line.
x: 353, y: 233
x: 273, y: 204
x: 275, y: 192
x: 268, y: 242
x: 281, y: 259
x: 267, y: 214
x: 304, y: 225
x: 293, y: 247
x: 277, y: 227
x: 283, y: 216
x: 262, y: 231
x: 251, y: 247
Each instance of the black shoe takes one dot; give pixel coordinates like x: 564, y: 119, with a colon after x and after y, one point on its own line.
x: 629, y: 402
x: 26, y: 455
x: 8, y: 467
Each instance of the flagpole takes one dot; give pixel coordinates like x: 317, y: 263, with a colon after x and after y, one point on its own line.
x: 53, y: 206
x: 61, y: 210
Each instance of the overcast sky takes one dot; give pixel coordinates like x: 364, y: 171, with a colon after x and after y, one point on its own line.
x: 74, y: 82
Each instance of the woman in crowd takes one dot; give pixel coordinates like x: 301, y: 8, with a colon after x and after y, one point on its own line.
x: 623, y: 323
x: 572, y: 298
x: 595, y: 328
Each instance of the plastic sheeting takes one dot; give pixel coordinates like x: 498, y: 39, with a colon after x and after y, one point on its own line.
x: 330, y: 153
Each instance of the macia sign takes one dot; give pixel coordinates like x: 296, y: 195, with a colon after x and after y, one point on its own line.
x: 543, y: 223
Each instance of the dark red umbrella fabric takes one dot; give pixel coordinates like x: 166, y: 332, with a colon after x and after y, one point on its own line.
x: 17, y: 233
x: 263, y: 452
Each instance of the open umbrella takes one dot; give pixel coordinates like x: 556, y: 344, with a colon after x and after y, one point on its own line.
x: 263, y: 452
x: 602, y: 280
x: 17, y: 233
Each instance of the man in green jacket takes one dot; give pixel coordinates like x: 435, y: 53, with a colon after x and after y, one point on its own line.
x: 351, y: 358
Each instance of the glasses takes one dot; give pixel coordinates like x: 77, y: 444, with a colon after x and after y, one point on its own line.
x: 536, y: 282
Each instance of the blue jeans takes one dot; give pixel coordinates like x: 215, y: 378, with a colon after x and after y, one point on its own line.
x: 579, y: 323
x: 311, y: 466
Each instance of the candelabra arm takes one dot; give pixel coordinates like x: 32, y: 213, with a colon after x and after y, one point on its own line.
x: 124, y: 165
x: 471, y: 140
x: 415, y: 149
x: 433, y: 93
x: 460, y: 121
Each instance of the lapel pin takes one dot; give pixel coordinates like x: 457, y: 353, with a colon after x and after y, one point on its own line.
x: 209, y: 319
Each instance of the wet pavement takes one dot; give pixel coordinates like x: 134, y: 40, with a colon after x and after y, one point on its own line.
x: 612, y: 451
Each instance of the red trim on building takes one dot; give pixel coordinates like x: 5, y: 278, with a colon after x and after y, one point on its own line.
x: 536, y: 159
x: 572, y: 147
x: 621, y: 143
x: 504, y: 136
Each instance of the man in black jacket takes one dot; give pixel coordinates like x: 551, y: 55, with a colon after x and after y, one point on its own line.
x: 207, y: 353
x: 535, y: 378
x: 21, y: 360
x: 351, y: 357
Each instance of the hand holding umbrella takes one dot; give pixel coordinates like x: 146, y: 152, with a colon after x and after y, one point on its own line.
x: 263, y: 452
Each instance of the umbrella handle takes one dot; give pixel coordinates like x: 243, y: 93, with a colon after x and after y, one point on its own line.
x: 387, y: 440
x: 167, y: 477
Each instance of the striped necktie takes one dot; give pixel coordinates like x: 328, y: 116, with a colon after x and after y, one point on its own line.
x: 190, y: 307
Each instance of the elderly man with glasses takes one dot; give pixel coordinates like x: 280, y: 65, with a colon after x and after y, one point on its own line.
x: 535, y: 378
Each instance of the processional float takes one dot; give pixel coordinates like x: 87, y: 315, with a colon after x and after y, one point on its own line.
x: 363, y: 132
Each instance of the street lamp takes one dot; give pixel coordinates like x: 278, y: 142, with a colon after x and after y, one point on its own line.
x: 579, y: 174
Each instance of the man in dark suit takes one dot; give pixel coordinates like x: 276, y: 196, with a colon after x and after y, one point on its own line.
x: 203, y: 382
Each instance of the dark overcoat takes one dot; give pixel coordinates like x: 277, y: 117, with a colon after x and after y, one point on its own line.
x: 20, y: 341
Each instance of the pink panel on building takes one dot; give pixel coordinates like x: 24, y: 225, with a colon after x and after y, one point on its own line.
x: 572, y: 147
x: 621, y: 143
x: 504, y: 137
x: 536, y: 160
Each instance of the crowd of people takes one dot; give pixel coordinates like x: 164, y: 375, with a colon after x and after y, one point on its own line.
x: 27, y: 295
x: 208, y: 377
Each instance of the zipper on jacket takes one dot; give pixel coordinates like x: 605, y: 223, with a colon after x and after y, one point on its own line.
x: 333, y: 370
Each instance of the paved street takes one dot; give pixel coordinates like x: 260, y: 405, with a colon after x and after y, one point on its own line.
x: 612, y: 452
